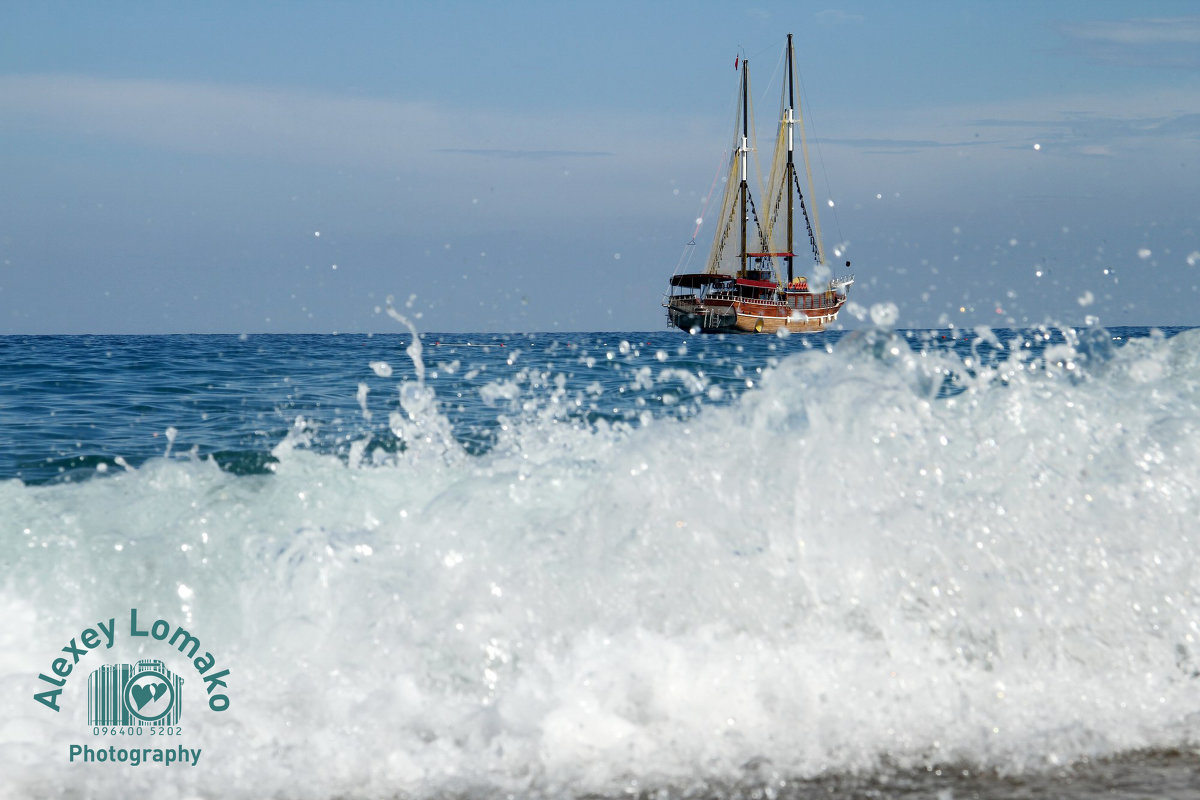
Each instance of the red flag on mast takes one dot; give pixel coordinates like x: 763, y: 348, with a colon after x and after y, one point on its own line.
x: 735, y: 62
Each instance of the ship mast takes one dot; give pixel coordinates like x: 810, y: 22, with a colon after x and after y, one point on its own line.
x: 790, y: 119
x: 744, y: 150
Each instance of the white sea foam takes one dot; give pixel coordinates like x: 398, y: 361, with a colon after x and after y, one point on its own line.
x: 837, y: 570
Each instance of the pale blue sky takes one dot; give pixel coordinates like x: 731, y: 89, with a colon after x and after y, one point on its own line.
x: 166, y: 167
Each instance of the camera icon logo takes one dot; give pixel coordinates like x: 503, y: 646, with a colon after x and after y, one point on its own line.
x: 146, y: 693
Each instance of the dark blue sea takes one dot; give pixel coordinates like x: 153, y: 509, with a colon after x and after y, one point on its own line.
x: 947, y: 563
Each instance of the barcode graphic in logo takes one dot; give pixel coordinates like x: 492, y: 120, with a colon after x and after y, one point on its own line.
x: 146, y: 693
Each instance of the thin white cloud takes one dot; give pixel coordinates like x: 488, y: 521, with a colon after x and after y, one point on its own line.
x: 291, y: 125
x: 533, y: 155
x: 507, y: 165
x: 571, y: 168
x: 215, y: 119
x: 938, y: 156
x: 1165, y: 115
x: 1172, y: 42
x: 1139, y: 32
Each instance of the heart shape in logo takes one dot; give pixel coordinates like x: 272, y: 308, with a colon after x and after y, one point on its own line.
x: 144, y: 693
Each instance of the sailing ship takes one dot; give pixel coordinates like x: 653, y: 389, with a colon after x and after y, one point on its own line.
x: 750, y: 283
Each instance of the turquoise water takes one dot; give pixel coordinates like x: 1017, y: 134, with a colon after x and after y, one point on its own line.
x: 875, y: 564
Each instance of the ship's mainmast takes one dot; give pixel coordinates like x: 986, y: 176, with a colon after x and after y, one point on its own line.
x: 789, y: 178
x: 744, y: 152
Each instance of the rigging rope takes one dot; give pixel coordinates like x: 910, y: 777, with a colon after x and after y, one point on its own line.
x: 812, y: 237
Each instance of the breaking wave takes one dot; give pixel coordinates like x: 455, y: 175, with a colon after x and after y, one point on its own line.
x: 882, y: 556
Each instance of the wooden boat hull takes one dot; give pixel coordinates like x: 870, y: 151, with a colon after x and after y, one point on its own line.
x: 755, y: 316
x: 758, y: 317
